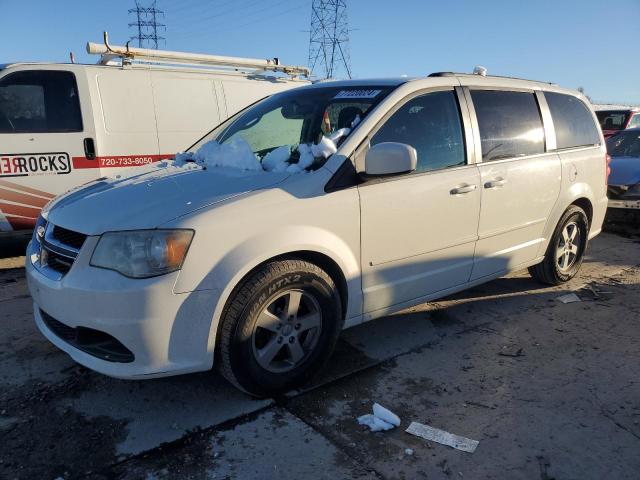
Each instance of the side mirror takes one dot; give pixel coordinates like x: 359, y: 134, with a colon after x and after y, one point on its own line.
x: 390, y: 158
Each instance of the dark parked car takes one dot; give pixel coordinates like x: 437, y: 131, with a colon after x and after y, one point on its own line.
x: 624, y: 180
x: 613, y: 119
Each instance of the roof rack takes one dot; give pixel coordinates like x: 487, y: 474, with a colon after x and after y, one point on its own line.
x: 129, y: 56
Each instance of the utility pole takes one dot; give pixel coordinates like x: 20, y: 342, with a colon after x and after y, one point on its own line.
x: 147, y: 24
x: 329, y: 39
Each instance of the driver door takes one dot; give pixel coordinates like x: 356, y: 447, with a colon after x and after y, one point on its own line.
x: 419, y: 229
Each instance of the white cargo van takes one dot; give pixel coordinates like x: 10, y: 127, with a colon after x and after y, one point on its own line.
x: 63, y: 125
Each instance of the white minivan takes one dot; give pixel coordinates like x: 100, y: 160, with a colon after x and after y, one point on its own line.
x: 63, y: 125
x: 317, y: 209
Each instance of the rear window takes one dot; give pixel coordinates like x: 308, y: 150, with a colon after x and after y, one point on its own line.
x: 613, y: 119
x: 39, y: 101
x: 572, y: 121
x: 510, y: 124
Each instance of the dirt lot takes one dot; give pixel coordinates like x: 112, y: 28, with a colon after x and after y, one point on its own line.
x: 550, y: 390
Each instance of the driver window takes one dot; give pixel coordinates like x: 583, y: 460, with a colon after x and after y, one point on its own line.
x: 431, y: 124
x: 41, y: 101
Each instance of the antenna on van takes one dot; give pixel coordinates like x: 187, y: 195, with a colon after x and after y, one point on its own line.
x: 159, y: 58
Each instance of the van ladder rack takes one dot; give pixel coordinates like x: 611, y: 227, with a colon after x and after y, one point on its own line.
x: 128, y: 55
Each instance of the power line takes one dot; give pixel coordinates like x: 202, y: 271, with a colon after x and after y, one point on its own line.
x: 231, y: 24
x: 147, y: 24
x: 329, y: 38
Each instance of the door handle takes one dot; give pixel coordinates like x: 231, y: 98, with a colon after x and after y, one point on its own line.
x: 464, y: 188
x: 495, y: 183
x: 89, y: 149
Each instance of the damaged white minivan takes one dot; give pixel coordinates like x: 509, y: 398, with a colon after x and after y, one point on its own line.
x: 317, y: 209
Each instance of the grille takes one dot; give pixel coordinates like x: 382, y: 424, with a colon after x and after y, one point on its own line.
x: 60, y: 247
x: 60, y: 329
x: 94, y: 342
x: 57, y: 262
x: 68, y: 237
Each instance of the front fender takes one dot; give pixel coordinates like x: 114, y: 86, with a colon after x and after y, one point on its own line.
x: 240, y: 261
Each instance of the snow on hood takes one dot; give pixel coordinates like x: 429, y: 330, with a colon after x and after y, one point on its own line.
x: 153, y: 198
x: 624, y: 171
x: 238, y: 154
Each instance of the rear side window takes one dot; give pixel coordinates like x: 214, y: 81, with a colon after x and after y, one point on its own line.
x: 38, y: 102
x: 430, y: 124
x: 572, y: 120
x: 510, y: 124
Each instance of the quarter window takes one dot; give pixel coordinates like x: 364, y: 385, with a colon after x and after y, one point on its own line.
x: 572, y: 120
x: 39, y: 101
x: 510, y: 124
x: 430, y: 124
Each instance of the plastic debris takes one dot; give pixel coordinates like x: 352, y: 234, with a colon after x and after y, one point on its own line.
x: 408, y: 451
x: 386, y: 415
x: 569, y: 298
x: 374, y: 423
x: 381, y: 419
x: 443, y: 437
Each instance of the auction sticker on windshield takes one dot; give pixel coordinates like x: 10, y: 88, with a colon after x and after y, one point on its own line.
x: 357, y: 94
x: 27, y: 164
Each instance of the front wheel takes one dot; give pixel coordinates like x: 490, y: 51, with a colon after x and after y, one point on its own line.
x: 279, y: 328
x: 566, y: 249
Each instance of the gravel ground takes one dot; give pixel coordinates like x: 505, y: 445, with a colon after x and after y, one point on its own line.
x: 550, y: 390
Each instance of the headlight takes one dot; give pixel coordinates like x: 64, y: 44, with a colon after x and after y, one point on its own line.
x: 142, y: 253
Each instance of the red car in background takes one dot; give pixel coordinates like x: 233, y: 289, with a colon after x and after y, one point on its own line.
x: 614, y: 118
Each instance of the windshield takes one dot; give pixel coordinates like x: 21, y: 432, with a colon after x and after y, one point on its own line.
x: 624, y: 144
x: 293, y: 131
x: 613, y: 119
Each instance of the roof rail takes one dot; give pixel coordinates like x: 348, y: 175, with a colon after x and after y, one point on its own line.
x: 128, y: 55
x: 459, y: 74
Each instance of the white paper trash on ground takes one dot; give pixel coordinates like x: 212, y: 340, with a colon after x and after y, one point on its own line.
x: 569, y: 298
x: 440, y: 436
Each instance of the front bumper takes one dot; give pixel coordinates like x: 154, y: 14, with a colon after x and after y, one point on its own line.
x: 167, y: 333
x: 631, y: 204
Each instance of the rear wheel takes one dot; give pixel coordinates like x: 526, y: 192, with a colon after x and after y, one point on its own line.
x: 566, y: 249
x: 279, y: 328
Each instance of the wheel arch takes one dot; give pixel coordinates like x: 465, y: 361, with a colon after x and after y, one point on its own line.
x: 340, y: 270
x: 579, y: 194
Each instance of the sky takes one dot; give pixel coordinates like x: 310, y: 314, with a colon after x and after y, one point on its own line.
x: 575, y: 43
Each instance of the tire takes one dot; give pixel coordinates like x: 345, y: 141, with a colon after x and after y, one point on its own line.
x: 267, y: 346
x: 570, y: 238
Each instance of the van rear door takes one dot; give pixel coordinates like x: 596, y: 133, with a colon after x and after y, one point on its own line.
x: 46, y: 140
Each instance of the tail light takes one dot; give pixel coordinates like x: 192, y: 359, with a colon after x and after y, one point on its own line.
x: 607, y: 168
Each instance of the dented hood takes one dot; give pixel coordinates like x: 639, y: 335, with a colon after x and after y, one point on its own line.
x: 151, y: 199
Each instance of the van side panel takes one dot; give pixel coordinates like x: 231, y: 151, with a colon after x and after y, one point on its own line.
x: 240, y: 93
x: 186, y: 109
x: 128, y: 136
